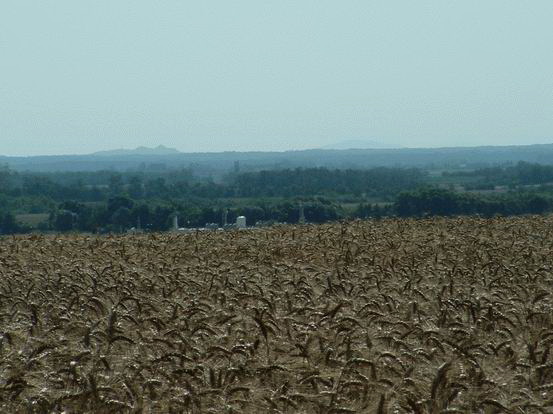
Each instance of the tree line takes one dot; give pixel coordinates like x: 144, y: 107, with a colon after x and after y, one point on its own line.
x: 183, y: 184
x: 114, y: 202
x: 122, y: 213
x: 440, y: 202
x: 522, y: 173
x: 288, y: 183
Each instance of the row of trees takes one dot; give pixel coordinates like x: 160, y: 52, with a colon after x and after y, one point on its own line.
x: 522, y: 173
x: 122, y: 213
x: 150, y: 201
x: 180, y: 185
x: 438, y: 202
x: 289, y: 183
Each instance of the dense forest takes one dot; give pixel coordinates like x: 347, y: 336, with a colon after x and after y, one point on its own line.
x: 108, y: 201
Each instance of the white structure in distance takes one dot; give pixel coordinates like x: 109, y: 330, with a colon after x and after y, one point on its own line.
x: 241, y: 222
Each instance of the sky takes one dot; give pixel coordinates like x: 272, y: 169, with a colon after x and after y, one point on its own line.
x: 89, y: 75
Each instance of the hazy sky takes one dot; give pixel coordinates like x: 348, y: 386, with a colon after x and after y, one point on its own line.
x: 78, y: 76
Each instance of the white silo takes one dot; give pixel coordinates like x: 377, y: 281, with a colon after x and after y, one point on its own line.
x: 175, y: 223
x: 241, y: 222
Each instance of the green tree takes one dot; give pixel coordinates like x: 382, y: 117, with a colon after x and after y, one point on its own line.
x: 136, y: 187
x: 122, y: 218
x: 115, y: 184
x: 65, y: 221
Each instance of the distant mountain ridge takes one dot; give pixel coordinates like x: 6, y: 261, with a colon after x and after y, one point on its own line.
x: 220, y: 163
x: 159, y: 150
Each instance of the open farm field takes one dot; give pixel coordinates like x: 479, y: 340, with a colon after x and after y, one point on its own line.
x: 392, y: 316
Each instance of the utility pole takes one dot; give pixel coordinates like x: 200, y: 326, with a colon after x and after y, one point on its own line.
x: 302, y: 214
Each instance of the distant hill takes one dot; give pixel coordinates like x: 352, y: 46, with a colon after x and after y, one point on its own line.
x: 159, y: 150
x: 357, y: 144
x: 220, y: 163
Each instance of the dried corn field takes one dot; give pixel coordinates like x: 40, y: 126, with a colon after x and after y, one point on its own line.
x: 396, y: 316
